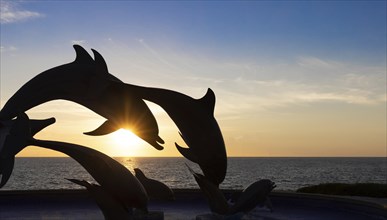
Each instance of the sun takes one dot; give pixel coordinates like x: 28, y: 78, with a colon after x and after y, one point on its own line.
x: 125, y: 138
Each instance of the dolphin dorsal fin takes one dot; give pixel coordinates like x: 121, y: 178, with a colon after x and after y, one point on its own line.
x: 82, y: 55
x: 208, y: 100
x: 138, y: 173
x: 100, y: 62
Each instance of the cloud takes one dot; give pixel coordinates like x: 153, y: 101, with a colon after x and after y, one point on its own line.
x: 80, y: 42
x: 154, y: 53
x: 4, y: 49
x: 253, y: 87
x: 11, y: 13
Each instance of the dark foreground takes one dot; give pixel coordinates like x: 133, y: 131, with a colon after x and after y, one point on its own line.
x: 76, y: 204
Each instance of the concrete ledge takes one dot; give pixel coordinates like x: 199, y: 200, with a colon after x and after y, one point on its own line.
x: 189, y: 204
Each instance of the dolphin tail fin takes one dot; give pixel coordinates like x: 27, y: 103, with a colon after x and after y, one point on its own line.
x: 187, y: 153
x: 106, y: 128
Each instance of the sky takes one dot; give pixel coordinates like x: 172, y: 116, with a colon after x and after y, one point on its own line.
x: 291, y: 78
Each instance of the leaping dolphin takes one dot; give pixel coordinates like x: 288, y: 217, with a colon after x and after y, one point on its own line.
x: 197, y: 125
x: 116, y: 179
x: 110, y: 174
x: 87, y: 81
x: 154, y: 188
x: 255, y: 194
x: 12, y: 143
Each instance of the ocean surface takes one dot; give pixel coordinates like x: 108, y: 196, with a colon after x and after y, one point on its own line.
x: 287, y: 173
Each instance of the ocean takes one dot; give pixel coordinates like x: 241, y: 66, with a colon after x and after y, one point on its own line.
x: 288, y: 173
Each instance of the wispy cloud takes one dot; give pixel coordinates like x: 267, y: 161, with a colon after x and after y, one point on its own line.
x: 80, y: 42
x: 155, y: 53
x: 4, y: 49
x: 11, y: 13
x: 254, y: 87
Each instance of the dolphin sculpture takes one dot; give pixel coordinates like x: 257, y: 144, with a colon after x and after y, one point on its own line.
x: 110, y: 174
x: 10, y: 144
x: 155, y: 189
x: 111, y: 208
x: 255, y: 194
x: 87, y: 81
x: 197, y: 125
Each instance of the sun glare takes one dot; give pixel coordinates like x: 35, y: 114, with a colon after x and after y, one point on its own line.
x: 126, y: 138
x: 126, y: 143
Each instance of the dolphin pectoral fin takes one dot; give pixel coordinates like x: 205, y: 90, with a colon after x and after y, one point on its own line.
x: 160, y: 140
x: 106, y: 128
x: 184, y: 138
x: 157, y: 146
x: 208, y: 100
x: 187, y: 153
x: 6, y: 168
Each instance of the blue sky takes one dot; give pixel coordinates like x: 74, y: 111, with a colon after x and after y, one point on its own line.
x: 339, y: 30
x: 318, y: 66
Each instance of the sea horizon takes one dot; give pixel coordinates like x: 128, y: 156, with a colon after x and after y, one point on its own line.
x: 289, y: 173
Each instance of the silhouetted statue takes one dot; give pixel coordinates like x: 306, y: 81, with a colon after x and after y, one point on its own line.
x: 154, y: 188
x: 111, y: 208
x: 12, y: 143
x: 115, y: 179
x: 197, y: 125
x: 254, y: 195
x: 88, y: 82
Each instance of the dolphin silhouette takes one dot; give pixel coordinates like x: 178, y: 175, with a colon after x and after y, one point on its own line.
x: 87, y: 81
x: 255, y: 194
x: 111, y: 208
x: 12, y: 143
x: 116, y: 179
x: 197, y: 126
x: 154, y: 188
x: 110, y: 174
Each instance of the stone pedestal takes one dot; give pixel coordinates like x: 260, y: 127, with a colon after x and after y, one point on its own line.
x: 213, y: 216
x: 151, y: 215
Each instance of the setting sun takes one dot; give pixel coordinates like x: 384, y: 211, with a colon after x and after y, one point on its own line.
x: 126, y: 143
x: 125, y: 138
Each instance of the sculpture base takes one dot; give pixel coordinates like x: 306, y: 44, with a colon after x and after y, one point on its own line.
x: 213, y: 216
x: 151, y: 215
